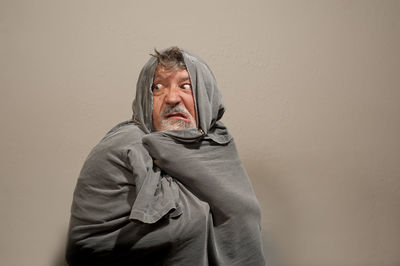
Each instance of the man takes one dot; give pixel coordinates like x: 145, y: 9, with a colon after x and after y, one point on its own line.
x: 167, y: 187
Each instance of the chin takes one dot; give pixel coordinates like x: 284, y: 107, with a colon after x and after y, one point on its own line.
x: 175, y: 124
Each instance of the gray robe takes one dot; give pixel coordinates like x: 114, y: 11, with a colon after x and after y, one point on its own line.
x: 194, y: 206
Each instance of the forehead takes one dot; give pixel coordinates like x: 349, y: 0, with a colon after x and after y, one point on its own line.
x: 163, y: 73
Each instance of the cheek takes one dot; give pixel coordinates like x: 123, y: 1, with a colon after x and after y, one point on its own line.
x: 156, y: 107
x: 190, y: 106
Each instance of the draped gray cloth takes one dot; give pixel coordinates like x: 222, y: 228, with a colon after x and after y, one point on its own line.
x: 179, y: 197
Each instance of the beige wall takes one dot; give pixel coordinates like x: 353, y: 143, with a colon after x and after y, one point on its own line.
x: 312, y: 91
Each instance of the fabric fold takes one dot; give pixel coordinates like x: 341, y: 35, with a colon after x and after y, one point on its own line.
x: 157, y: 197
x: 214, y: 173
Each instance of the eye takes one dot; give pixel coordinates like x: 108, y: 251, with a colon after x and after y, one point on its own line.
x: 157, y: 86
x: 186, y: 86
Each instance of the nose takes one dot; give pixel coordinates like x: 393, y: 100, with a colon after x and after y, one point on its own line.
x: 173, y: 97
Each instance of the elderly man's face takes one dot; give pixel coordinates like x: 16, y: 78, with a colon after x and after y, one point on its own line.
x: 173, y: 102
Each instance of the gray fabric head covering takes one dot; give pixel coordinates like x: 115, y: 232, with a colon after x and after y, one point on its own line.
x: 207, y: 98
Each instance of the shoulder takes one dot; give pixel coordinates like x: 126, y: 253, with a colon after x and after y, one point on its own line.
x: 123, y: 136
x: 119, y: 157
x: 117, y: 143
x: 124, y: 133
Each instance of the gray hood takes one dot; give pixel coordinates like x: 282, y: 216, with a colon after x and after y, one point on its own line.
x: 208, y: 101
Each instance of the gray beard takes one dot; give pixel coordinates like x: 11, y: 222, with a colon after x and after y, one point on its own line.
x: 174, y: 124
x: 177, y: 124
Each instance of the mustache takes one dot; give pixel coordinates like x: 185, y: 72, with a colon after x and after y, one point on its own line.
x: 175, y: 109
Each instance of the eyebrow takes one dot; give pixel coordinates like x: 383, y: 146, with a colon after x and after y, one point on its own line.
x: 184, y: 79
x: 158, y: 76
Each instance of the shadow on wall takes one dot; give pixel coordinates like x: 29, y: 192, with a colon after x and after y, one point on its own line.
x: 59, y: 259
x: 273, y: 200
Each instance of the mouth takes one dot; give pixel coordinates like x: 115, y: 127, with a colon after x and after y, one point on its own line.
x: 177, y: 115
